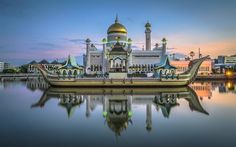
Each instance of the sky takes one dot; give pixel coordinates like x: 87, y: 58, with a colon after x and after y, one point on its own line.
x: 53, y: 29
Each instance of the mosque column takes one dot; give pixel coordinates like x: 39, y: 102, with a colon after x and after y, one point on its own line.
x: 130, y: 61
x: 126, y: 65
x: 111, y: 63
x: 122, y: 64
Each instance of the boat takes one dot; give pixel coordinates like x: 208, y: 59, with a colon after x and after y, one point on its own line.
x: 182, y: 79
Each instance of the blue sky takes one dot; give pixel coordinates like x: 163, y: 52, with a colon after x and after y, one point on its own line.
x: 51, y: 29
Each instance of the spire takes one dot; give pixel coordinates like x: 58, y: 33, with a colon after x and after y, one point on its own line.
x: 117, y: 19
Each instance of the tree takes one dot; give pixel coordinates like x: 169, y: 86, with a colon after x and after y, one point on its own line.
x: 10, y: 70
x: 192, y: 54
x: 23, y: 68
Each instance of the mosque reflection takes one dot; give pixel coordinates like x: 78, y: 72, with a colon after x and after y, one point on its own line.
x: 117, y: 102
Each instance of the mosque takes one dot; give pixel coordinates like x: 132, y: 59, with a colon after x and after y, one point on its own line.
x: 117, y: 56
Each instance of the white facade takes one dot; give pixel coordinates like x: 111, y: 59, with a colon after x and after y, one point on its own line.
x: 138, y: 61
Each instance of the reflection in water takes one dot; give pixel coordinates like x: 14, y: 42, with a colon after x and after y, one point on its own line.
x: 117, y: 103
x: 224, y: 86
x: 37, y: 83
x: 142, y: 117
x: 203, y: 89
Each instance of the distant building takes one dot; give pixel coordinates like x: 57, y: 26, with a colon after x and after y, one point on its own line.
x: 1, y: 66
x: 222, y: 63
x: 226, y: 60
x: 49, y: 66
x: 183, y: 65
x: 230, y: 60
x: 5, y: 65
x: 221, y: 60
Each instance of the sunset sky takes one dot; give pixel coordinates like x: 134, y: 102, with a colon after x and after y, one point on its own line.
x: 51, y: 29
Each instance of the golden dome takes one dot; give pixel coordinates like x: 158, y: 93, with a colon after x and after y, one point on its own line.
x: 116, y: 28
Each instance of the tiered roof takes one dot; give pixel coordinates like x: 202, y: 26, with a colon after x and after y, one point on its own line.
x: 164, y: 63
x: 71, y: 64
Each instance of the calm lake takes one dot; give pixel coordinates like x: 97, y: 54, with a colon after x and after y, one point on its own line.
x: 31, y: 114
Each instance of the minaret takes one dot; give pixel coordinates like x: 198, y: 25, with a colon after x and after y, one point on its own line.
x: 129, y: 43
x: 148, y: 36
x: 104, y: 42
x: 164, y: 42
x: 88, y: 41
x: 130, y: 62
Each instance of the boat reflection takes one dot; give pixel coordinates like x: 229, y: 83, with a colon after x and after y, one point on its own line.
x: 117, y: 103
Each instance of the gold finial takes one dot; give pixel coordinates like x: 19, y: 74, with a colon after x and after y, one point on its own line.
x: 117, y: 19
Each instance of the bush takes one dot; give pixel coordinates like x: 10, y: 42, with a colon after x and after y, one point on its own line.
x: 10, y: 70
x: 23, y: 69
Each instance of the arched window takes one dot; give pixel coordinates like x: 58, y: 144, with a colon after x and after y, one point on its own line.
x: 75, y: 73
x: 64, y: 73
x: 166, y: 72
x: 69, y: 72
x: 100, y: 67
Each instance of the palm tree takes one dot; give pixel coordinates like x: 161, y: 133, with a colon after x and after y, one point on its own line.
x: 192, y: 54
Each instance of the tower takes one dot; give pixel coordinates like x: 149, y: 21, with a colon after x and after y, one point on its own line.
x: 164, y: 42
x: 88, y: 41
x: 148, y: 36
x: 104, y: 51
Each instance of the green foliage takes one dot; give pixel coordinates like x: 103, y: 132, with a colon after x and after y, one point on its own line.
x: 10, y: 70
x: 23, y: 69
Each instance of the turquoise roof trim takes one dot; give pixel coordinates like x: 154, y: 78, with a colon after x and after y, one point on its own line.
x: 164, y: 63
x: 71, y: 64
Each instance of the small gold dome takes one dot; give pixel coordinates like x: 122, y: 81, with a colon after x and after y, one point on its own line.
x: 117, y: 28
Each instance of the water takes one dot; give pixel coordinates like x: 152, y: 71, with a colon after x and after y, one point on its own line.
x: 32, y: 115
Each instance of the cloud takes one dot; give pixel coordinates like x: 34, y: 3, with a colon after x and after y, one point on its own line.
x: 184, y: 43
x: 135, y: 47
x: 76, y: 40
x: 79, y: 41
x: 48, y: 44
